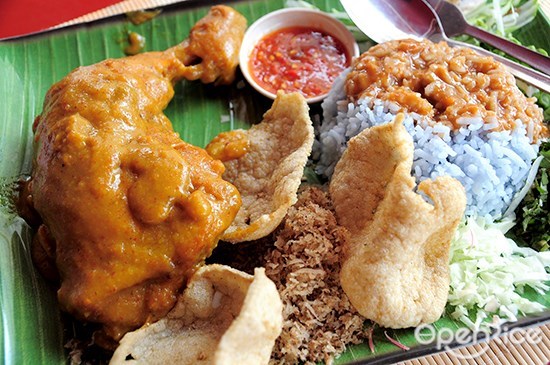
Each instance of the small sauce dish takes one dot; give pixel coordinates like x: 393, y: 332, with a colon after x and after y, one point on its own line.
x: 296, y: 49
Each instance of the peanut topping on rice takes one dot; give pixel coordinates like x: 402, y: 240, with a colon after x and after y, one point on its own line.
x: 445, y: 84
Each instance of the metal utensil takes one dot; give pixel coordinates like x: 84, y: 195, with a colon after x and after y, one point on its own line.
x: 454, y: 23
x: 384, y: 20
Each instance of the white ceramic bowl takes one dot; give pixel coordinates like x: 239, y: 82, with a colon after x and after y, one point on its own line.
x: 292, y: 17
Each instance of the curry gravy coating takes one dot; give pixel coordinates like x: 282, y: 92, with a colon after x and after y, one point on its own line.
x: 129, y: 209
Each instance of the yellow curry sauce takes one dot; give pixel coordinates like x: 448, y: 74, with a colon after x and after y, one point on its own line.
x: 228, y: 146
x: 136, y: 43
x: 128, y: 209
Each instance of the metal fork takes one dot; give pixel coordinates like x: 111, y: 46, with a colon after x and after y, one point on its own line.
x: 454, y: 23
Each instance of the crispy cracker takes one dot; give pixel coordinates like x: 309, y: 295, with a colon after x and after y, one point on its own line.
x: 224, y: 317
x: 396, y: 267
x: 269, y: 174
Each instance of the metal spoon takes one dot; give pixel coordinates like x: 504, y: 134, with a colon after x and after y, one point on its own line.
x: 454, y: 23
x: 385, y: 20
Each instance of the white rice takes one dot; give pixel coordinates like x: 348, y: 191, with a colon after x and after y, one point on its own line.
x: 492, y: 166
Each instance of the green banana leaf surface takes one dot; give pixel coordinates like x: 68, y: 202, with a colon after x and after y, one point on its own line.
x: 32, y: 328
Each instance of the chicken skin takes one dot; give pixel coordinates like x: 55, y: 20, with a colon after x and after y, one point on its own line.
x: 129, y: 209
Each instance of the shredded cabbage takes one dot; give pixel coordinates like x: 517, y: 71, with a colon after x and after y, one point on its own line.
x: 489, y: 273
x: 501, y: 17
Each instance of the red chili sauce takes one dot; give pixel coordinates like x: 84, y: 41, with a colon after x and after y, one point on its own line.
x: 298, y: 59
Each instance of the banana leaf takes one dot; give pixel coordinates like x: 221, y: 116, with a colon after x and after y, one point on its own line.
x: 32, y: 328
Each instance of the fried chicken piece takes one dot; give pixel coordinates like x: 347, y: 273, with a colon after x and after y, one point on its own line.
x: 129, y: 207
x: 396, y: 265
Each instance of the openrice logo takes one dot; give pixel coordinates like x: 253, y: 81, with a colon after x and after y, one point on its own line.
x: 448, y: 340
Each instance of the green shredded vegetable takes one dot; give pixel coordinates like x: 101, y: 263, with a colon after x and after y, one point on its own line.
x: 533, y: 214
x: 543, y: 99
x: 502, y: 17
x: 489, y: 273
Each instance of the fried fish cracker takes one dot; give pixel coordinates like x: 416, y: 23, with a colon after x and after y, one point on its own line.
x: 224, y: 317
x: 268, y: 175
x: 396, y: 265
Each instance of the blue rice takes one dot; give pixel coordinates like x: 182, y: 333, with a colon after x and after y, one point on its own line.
x: 492, y: 166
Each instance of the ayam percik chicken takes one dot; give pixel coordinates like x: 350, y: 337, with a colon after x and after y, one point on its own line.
x: 128, y: 209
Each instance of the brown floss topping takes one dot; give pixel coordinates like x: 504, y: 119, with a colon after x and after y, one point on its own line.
x: 319, y: 320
